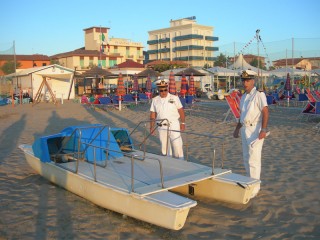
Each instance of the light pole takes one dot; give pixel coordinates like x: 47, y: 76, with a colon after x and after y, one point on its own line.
x: 258, y: 40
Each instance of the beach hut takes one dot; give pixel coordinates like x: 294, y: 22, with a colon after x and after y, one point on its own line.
x: 95, y: 81
x: 53, y: 81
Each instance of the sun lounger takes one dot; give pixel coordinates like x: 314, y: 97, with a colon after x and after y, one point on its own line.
x: 233, y: 111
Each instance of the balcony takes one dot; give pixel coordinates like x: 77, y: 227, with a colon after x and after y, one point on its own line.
x: 152, y: 42
x: 164, y: 40
x: 210, y: 38
x: 211, y: 58
x: 164, y: 50
x: 212, y: 48
x: 153, y: 51
x: 186, y: 48
x: 188, y: 37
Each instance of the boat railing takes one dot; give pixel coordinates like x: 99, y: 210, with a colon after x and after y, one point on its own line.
x: 165, y: 122
x: 80, y: 154
x: 133, y: 157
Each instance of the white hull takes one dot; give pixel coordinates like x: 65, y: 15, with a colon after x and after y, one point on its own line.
x: 151, y: 208
x: 220, y: 189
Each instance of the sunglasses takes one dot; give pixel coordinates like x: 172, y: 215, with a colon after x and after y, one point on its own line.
x: 165, y: 90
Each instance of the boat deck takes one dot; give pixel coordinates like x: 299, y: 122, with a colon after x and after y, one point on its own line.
x: 146, y: 173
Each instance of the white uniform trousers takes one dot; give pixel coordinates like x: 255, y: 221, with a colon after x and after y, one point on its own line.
x: 175, y: 145
x: 252, y: 153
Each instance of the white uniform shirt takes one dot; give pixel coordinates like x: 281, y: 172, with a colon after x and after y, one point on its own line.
x: 166, y: 108
x: 251, y: 106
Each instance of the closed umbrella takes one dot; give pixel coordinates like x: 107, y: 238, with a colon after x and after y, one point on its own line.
x: 191, y: 91
x: 135, y: 87
x: 148, y: 87
x: 172, y: 84
x: 287, y: 87
x: 184, y: 84
x: 120, y: 89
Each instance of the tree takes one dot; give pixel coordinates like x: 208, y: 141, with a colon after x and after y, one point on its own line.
x: 9, y: 67
x: 221, y: 61
x: 254, y: 62
x: 162, y: 66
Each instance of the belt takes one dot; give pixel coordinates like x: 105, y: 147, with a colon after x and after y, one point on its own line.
x: 250, y: 124
x: 162, y: 124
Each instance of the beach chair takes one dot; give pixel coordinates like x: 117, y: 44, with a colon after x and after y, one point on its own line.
x: 3, y: 101
x: 234, y: 109
x: 143, y: 98
x: 188, y: 108
x: 105, y: 103
x: 84, y: 99
x: 129, y: 100
x: 312, y: 108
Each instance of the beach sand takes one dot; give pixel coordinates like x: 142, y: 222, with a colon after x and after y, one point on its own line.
x: 287, y: 207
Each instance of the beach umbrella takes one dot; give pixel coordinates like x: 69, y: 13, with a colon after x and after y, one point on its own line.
x: 135, y: 87
x: 149, y: 84
x: 183, y: 89
x: 172, y: 84
x: 287, y: 86
x: 191, y: 90
x: 120, y: 89
x: 288, y: 83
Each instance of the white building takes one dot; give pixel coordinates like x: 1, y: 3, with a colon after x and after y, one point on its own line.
x: 184, y: 40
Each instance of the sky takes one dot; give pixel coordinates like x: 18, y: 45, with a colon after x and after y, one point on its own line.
x: 52, y: 27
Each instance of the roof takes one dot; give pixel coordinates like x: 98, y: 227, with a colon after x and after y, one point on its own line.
x: 129, y: 64
x: 96, y: 71
x: 189, y: 71
x: 221, y: 71
x: 28, y: 71
x: 78, y: 52
x: 149, y: 72
x: 33, y: 57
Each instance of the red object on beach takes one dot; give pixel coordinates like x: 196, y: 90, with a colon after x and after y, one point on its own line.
x: 191, y: 90
x: 148, y: 84
x: 183, y: 89
x: 135, y: 83
x: 120, y: 88
x: 172, y: 84
x: 288, y: 83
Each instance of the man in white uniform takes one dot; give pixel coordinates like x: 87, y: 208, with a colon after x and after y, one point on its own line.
x: 168, y: 106
x: 253, y: 124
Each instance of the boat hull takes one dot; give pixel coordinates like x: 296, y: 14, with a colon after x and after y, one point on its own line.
x: 221, y: 189
x: 147, y: 208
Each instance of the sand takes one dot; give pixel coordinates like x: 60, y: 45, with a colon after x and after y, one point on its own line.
x: 287, y: 207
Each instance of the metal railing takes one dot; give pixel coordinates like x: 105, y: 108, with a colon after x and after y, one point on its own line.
x: 78, y: 154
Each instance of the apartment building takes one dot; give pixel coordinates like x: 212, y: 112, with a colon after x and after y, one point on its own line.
x: 184, y: 40
x: 100, y: 50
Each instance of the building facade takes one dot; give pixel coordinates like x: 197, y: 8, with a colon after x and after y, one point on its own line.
x: 184, y: 40
x: 24, y: 61
x: 298, y: 63
x: 100, y: 50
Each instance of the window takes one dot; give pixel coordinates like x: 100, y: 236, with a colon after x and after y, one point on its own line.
x: 81, y: 61
x: 112, y: 62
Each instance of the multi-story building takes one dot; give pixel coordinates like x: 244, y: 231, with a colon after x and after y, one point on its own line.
x: 24, y: 61
x: 100, y: 50
x: 184, y: 40
x: 298, y: 63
